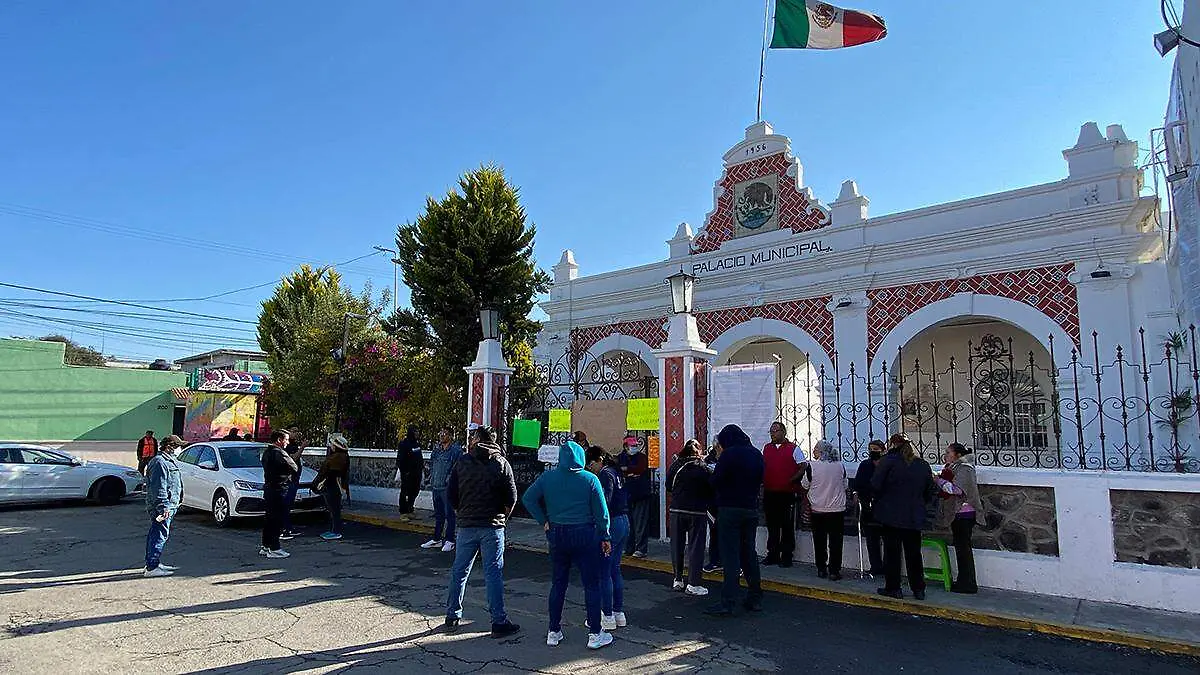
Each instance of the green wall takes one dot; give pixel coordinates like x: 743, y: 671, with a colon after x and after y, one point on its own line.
x: 42, y: 399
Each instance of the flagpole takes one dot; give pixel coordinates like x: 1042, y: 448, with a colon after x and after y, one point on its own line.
x: 762, y: 57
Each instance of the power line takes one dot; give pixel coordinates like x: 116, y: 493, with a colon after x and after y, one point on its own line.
x: 143, y: 340
x: 320, y: 270
x: 136, y: 316
x: 127, y: 304
x: 125, y: 333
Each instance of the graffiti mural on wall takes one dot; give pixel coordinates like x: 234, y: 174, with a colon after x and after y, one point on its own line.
x: 231, y: 381
x: 212, y: 415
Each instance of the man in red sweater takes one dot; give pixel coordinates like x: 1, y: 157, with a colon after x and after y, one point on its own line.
x: 783, y: 462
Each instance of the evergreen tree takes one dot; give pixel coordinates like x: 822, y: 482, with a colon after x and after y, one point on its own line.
x: 469, y: 250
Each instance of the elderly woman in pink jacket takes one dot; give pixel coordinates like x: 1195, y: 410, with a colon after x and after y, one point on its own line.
x: 825, y: 479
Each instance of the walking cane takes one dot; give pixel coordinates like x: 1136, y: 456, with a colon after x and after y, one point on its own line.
x: 862, y: 573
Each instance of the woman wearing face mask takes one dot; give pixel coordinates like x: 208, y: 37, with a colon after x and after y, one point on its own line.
x: 612, y: 585
x: 959, y: 510
x: 635, y: 467
x: 861, y: 484
x: 690, y: 482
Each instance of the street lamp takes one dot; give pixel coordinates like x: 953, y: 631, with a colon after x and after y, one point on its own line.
x: 395, y: 273
x: 489, y: 320
x: 682, y: 287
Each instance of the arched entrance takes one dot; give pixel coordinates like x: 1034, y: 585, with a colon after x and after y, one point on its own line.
x: 986, y: 384
x: 801, y: 375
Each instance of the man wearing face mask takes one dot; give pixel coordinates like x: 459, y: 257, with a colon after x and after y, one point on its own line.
x: 635, y: 468
x: 861, y: 484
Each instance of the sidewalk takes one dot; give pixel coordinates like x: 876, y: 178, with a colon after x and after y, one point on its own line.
x: 1170, y: 632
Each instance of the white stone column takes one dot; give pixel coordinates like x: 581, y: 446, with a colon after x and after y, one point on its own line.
x: 848, y: 399
x: 677, y: 362
x: 487, y: 385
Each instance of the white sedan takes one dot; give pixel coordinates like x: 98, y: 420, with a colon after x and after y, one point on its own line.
x: 225, y: 478
x: 36, y: 473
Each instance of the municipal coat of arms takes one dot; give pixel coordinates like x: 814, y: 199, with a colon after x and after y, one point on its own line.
x: 755, y: 205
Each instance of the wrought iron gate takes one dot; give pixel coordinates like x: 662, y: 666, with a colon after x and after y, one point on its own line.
x: 573, y: 376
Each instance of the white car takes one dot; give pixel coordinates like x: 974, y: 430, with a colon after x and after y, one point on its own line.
x: 36, y: 473
x: 225, y: 478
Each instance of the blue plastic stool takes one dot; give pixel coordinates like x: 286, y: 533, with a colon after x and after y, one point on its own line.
x: 942, y: 573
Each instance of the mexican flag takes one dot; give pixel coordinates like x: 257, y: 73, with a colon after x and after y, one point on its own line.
x: 811, y: 24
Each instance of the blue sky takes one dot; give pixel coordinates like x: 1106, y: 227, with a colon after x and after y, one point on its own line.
x: 236, y: 140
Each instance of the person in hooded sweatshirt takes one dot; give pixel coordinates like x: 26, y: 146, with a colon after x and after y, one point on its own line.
x: 482, y: 489
x: 569, y: 503
x: 736, y: 482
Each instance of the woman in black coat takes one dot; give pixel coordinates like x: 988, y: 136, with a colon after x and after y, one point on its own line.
x: 903, y: 486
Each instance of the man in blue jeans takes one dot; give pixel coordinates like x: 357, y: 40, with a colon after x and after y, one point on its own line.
x: 569, y: 504
x: 482, y: 489
x: 736, y: 483
x: 164, y: 489
x: 442, y: 457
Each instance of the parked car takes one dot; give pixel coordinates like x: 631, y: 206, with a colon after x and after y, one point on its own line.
x: 225, y: 478
x: 36, y: 473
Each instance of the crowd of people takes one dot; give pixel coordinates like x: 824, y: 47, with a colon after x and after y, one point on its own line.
x: 594, y: 507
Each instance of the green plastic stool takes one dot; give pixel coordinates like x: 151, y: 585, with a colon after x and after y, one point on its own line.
x: 942, y: 573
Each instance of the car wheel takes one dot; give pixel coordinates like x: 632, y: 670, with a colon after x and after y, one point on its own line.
x: 220, y: 508
x: 108, y: 491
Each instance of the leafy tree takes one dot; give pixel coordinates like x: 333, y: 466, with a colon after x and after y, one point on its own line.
x: 468, y: 250
x: 77, y: 354
x: 299, y: 327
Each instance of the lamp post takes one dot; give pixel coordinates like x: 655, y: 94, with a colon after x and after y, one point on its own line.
x: 682, y: 291
x: 395, y: 273
x: 339, y: 355
x: 489, y: 321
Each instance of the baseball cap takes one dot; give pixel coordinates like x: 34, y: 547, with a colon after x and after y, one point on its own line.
x: 173, y: 441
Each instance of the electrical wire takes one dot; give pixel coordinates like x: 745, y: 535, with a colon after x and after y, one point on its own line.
x: 183, y: 339
x: 135, y: 316
x: 128, y: 304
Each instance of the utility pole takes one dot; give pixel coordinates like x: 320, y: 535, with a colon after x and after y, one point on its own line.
x: 339, y: 355
x: 395, y: 273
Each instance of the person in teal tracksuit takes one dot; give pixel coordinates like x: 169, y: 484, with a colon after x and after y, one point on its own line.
x: 569, y: 503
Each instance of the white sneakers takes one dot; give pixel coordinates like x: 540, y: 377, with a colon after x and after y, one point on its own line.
x: 169, y: 568
x: 447, y: 547
x: 595, y: 640
x: 160, y: 571
x: 608, y: 622
x: 619, y: 617
x: 696, y: 590
x: 279, y: 553
x: 598, y: 640
x: 679, y: 585
x: 433, y: 543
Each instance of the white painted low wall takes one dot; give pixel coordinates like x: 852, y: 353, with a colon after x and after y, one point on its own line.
x: 1085, y: 567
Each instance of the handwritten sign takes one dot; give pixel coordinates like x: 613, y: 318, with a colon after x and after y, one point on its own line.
x: 653, y: 452
x: 548, y: 454
x: 560, y: 419
x: 642, y: 414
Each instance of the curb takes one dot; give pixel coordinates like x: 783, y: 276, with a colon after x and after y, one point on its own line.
x: 990, y: 619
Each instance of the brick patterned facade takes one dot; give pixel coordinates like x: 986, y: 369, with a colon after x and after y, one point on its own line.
x: 809, y: 314
x: 700, y: 382
x: 795, y: 209
x: 673, y: 443
x: 498, y: 390
x: 477, y: 398
x: 1047, y: 289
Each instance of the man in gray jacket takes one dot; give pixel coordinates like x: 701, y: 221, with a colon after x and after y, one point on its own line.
x: 164, y: 489
x: 442, y: 457
x: 483, y: 490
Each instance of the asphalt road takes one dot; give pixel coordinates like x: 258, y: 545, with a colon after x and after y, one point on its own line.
x: 72, y: 600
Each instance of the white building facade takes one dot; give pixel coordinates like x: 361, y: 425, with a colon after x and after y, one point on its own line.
x: 1038, y: 326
